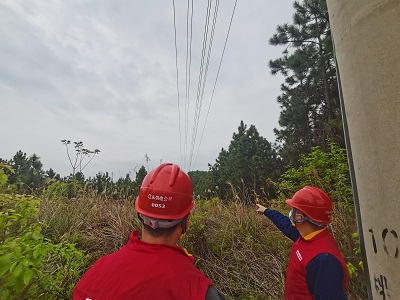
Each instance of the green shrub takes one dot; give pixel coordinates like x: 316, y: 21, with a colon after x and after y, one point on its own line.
x: 326, y: 170
x: 31, y: 266
x: 4, y: 186
x: 3, y: 177
x: 70, y: 189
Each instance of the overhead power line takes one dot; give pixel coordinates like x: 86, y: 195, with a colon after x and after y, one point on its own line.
x: 203, y: 77
x: 188, y: 69
x: 216, y: 79
x: 177, y: 83
x: 199, y: 84
x: 207, y: 44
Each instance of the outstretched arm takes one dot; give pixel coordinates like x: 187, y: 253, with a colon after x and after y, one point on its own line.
x: 282, y: 222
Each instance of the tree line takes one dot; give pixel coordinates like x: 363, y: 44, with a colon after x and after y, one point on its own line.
x: 28, y: 177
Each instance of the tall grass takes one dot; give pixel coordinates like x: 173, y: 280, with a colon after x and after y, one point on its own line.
x: 97, y: 225
x: 243, y: 253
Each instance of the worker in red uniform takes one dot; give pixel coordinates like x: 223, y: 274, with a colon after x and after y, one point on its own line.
x: 152, y: 266
x: 316, y: 267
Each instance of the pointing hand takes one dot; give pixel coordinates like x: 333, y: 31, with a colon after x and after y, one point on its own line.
x: 260, y: 209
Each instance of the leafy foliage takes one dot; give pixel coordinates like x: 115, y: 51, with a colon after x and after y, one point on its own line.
x: 30, y: 265
x: 3, y: 175
x: 327, y: 170
x: 64, y: 189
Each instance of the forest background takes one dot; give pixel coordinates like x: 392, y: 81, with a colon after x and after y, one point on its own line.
x: 52, y: 229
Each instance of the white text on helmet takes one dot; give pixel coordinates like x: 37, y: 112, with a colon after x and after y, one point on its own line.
x: 158, y: 205
x: 159, y: 198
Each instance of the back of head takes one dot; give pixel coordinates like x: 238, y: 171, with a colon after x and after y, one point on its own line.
x: 165, y: 197
x: 313, y: 202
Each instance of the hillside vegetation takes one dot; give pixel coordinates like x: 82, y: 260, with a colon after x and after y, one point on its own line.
x: 50, y: 240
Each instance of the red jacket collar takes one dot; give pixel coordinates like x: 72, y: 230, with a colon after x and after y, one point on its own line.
x: 134, y: 238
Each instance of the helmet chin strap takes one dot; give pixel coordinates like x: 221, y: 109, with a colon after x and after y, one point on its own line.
x: 322, y: 225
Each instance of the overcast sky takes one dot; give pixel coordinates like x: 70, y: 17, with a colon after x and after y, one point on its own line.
x: 104, y: 72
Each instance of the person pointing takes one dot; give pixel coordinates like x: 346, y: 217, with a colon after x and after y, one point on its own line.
x: 316, y: 267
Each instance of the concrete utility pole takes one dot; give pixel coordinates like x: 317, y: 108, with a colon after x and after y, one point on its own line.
x: 366, y: 34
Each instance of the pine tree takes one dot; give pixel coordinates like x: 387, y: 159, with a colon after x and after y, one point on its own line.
x: 244, y: 170
x: 310, y: 104
x: 29, y: 175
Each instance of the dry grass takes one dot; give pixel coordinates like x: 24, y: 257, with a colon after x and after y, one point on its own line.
x: 97, y: 225
x: 344, y: 225
x: 240, y: 251
x: 243, y: 253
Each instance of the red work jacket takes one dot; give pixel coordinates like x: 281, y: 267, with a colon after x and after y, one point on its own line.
x: 303, y: 251
x: 143, y: 271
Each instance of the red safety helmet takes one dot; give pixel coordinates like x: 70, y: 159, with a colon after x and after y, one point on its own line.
x: 166, y: 193
x: 313, y: 202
